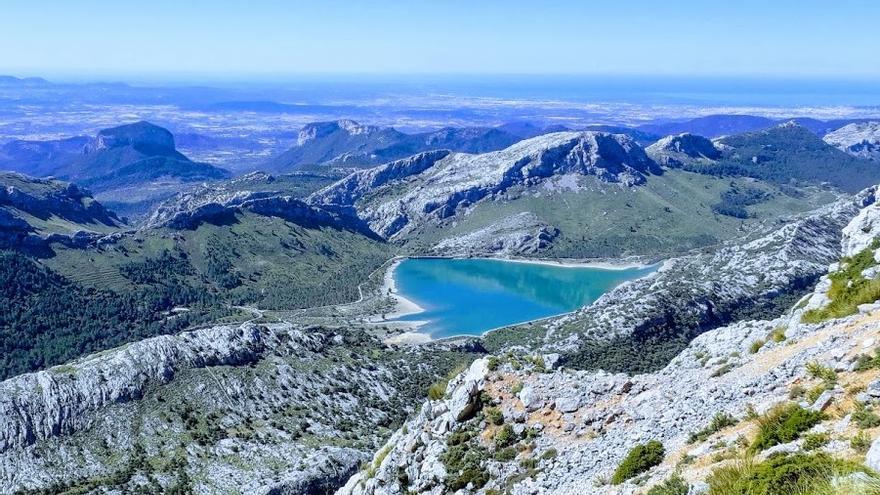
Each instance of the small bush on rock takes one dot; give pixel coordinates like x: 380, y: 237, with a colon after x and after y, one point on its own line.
x: 640, y: 459
x: 720, y: 421
x: 815, y: 441
x: 674, y: 485
x: 494, y: 416
x: 783, y: 424
x: 864, y: 418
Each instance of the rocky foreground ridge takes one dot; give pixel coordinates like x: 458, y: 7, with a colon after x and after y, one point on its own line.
x: 255, y: 408
x: 525, y: 424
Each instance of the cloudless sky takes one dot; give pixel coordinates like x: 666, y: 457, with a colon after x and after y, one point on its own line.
x: 832, y: 39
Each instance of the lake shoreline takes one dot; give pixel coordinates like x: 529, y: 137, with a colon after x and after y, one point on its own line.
x: 405, y: 307
x: 601, y: 264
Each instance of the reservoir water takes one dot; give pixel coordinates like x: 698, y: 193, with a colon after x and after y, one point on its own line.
x: 471, y: 296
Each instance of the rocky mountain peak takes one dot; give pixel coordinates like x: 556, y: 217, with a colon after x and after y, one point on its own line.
x: 687, y: 144
x: 438, y: 185
x: 317, y: 130
x: 139, y: 134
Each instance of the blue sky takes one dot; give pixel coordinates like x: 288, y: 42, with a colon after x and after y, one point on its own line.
x: 806, y: 38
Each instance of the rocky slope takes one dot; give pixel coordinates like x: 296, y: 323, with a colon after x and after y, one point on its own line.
x: 675, y: 151
x: 519, y: 423
x: 252, y: 193
x: 641, y: 321
x: 440, y: 185
x: 346, y: 143
x: 246, y: 409
x: 861, y: 140
x: 37, y: 211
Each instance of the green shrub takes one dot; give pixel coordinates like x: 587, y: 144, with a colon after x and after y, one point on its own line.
x: 720, y: 421
x: 529, y: 463
x: 860, y: 443
x: 437, y: 390
x: 674, y: 485
x: 777, y: 334
x: 783, y: 424
x: 494, y: 416
x: 756, y: 346
x: 493, y: 363
x: 505, y: 437
x: 806, y: 474
x: 516, y: 388
x: 549, y: 454
x: 506, y: 454
x: 816, y: 391
x: 813, y: 441
x: 865, y: 362
x: 640, y: 459
x: 848, y: 288
x: 864, y: 417
x: 825, y: 373
x: 464, y: 461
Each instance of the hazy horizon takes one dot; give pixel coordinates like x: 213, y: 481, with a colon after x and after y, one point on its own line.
x: 267, y: 38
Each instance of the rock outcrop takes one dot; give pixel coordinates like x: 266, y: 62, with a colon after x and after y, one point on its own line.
x: 346, y: 143
x: 675, y: 151
x: 861, y: 139
x: 217, y: 201
x: 433, y: 187
x: 35, y: 212
x: 520, y: 234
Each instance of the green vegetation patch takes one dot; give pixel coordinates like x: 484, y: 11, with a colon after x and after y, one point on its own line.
x: 807, y: 474
x: 848, y: 287
x: 783, y: 424
x: 674, y: 485
x: 720, y: 421
x: 640, y: 459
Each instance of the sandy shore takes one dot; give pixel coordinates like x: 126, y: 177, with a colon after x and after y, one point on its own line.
x: 402, y: 305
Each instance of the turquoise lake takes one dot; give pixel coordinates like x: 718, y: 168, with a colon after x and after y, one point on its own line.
x: 471, y: 296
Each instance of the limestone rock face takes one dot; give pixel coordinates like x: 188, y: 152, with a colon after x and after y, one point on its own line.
x: 189, y: 209
x: 440, y: 185
x: 675, y: 151
x: 140, y: 134
x: 872, y: 458
x: 865, y: 227
x: 859, y: 139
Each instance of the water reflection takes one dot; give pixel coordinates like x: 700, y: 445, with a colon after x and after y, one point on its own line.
x: 470, y: 296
